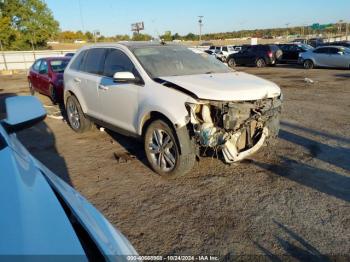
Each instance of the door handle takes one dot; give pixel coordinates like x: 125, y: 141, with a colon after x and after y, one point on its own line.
x: 77, y: 80
x: 102, y: 87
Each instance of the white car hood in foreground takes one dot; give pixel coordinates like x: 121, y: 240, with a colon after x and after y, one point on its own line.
x: 235, y: 86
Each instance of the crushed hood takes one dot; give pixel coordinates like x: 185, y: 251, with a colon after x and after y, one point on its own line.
x: 236, y: 86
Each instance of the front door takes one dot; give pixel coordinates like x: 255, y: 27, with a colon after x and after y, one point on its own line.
x: 43, y: 78
x: 119, y: 101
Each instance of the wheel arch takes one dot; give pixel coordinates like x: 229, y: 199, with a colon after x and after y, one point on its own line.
x: 68, y: 93
x: 186, y: 146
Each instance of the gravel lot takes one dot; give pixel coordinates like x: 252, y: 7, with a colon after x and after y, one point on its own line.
x: 291, y: 199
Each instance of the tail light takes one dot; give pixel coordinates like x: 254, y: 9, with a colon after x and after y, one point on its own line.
x: 270, y: 54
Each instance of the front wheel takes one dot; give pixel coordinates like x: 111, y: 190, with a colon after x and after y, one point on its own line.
x: 76, y: 117
x: 308, y: 64
x: 163, y: 153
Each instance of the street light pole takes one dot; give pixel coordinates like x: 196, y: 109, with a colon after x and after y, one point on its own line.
x: 200, y: 21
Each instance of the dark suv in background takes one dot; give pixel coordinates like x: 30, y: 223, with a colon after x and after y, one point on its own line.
x: 291, y: 52
x: 258, y: 55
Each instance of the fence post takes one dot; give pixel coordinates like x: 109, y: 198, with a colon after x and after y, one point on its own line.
x: 3, y: 56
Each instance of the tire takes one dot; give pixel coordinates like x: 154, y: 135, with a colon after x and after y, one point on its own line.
x: 76, y: 117
x: 163, y: 151
x: 260, y: 63
x: 231, y: 62
x: 53, y: 94
x: 308, y: 64
x: 31, y: 88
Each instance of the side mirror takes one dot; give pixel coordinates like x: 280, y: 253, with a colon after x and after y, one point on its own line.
x: 22, y: 112
x: 126, y: 77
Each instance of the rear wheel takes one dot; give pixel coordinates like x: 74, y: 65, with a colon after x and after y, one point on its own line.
x: 231, y: 62
x: 76, y: 117
x: 308, y: 64
x: 163, y: 152
x: 260, y: 63
x: 53, y: 94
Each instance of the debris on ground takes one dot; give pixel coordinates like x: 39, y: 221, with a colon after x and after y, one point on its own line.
x: 53, y: 112
x: 123, y: 157
x: 102, y: 129
x: 308, y: 80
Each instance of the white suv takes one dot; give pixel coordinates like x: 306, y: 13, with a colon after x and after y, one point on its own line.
x: 177, y: 101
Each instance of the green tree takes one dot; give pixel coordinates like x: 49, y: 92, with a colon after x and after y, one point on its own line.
x: 29, y: 22
x: 141, y: 37
x: 89, y: 36
x: 167, y: 36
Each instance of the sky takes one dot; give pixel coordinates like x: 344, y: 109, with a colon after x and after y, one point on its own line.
x: 112, y: 17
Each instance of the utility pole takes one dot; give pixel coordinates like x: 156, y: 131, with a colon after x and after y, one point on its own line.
x: 3, y: 56
x: 200, y: 22
x: 347, y: 31
x: 287, y: 25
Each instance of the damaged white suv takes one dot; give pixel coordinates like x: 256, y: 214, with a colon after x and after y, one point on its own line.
x: 177, y: 101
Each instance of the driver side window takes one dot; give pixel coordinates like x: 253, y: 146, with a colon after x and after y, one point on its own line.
x: 43, y: 67
x: 36, y: 66
x: 117, y: 61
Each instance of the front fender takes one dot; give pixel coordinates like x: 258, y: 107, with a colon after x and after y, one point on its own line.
x: 178, y: 116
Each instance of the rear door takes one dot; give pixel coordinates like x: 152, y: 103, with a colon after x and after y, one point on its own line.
x: 90, y: 78
x: 119, y: 101
x: 336, y: 59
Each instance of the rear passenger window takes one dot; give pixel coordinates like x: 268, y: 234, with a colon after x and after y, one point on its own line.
x: 224, y: 48
x: 93, y: 61
x: 76, y: 65
x: 117, y: 61
x: 321, y: 51
x: 333, y: 50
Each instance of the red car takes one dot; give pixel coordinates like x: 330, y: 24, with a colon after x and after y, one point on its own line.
x: 46, y: 77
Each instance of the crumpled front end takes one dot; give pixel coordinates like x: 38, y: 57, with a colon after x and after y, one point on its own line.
x: 238, y: 129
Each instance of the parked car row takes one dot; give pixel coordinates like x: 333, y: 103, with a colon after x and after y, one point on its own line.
x: 296, y: 53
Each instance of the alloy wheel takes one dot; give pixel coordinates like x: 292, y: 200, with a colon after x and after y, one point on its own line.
x: 162, y: 150
x: 73, y: 114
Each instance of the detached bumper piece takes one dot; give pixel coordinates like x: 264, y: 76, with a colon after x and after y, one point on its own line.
x: 231, y: 153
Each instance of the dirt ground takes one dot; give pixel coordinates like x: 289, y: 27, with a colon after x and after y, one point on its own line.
x: 287, y: 201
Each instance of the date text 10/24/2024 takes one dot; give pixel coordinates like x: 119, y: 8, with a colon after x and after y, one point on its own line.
x: 172, y: 258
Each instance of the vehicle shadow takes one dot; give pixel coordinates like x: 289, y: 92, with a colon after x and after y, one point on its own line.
x: 337, y: 156
x: 343, y: 75
x: 132, y: 145
x: 41, y: 143
x: 295, y: 247
x: 315, y: 132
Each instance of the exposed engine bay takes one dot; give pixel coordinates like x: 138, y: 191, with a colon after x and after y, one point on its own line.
x: 238, y: 129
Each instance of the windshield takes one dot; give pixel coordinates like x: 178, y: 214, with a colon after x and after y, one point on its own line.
x: 58, y: 66
x: 306, y: 47
x: 346, y: 50
x: 176, y: 61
